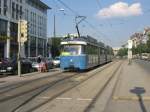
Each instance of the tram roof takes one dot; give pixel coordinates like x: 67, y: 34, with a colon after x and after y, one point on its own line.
x: 82, y: 40
x: 74, y: 42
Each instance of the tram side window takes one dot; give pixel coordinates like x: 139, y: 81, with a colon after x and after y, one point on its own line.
x: 83, y: 49
x: 90, y: 49
x: 102, y: 52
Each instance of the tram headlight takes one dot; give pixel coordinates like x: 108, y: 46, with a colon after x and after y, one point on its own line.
x: 71, y: 60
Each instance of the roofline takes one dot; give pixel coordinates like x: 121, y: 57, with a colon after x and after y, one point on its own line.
x: 42, y: 4
x: 46, y: 6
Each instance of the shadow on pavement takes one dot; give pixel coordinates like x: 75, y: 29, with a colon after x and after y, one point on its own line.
x: 139, y: 91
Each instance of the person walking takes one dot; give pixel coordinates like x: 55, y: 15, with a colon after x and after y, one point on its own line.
x: 39, y: 62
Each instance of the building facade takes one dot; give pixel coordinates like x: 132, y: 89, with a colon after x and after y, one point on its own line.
x: 115, y: 50
x: 35, y: 12
x: 146, y: 33
x: 137, y: 38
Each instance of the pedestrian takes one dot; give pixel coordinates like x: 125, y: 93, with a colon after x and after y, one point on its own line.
x: 39, y: 62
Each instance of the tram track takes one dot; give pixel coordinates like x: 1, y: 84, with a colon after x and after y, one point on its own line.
x: 91, y: 105
x: 61, y: 92
x: 7, y: 95
x: 20, y: 84
x: 42, y: 88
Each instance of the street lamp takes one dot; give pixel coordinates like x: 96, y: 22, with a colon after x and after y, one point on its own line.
x: 54, y: 33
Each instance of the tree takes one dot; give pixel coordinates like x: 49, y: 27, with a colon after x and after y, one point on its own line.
x: 122, y: 52
x: 55, y: 47
x: 148, y: 43
x: 141, y: 48
x: 134, y: 50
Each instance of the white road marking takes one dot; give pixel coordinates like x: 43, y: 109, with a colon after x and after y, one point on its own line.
x: 64, y: 98
x: 82, y: 99
x: 78, y: 99
x: 8, y: 95
x: 45, y: 97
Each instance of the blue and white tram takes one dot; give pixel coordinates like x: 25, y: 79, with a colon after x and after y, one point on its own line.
x: 81, y: 53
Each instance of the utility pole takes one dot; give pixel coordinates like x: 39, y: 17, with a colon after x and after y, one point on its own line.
x: 54, y: 33
x: 19, y: 48
x: 22, y: 37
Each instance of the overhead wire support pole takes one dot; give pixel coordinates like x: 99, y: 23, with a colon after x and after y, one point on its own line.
x: 19, y: 48
x: 54, y: 26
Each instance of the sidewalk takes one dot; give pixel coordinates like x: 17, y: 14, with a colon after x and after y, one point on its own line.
x: 133, y: 76
x: 132, y: 93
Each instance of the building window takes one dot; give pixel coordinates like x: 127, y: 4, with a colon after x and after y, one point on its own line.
x: 17, y: 11
x: 13, y: 10
x: 3, y: 29
x: 14, y: 31
x: 0, y: 6
x: 26, y: 14
x: 21, y: 12
x: 5, y: 7
x: 33, y: 46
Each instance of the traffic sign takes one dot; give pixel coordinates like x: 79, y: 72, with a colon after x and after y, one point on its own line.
x: 130, y: 44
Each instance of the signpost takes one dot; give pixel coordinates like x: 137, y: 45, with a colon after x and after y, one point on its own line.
x: 130, y: 44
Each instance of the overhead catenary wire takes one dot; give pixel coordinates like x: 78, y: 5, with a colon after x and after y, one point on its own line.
x: 99, y: 4
x: 108, y: 22
x: 89, y: 24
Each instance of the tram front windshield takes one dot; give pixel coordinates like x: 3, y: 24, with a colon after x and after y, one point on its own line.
x: 71, y: 49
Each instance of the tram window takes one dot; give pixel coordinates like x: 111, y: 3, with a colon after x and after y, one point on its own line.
x: 83, y: 49
x: 90, y: 49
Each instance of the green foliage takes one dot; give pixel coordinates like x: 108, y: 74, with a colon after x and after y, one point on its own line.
x: 134, y: 50
x: 122, y: 52
x: 55, y: 48
x: 141, y: 48
x: 148, y: 43
x: 5, y: 38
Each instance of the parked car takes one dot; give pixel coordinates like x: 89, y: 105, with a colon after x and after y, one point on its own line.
x: 49, y: 62
x: 56, y: 62
x: 145, y: 56
x: 10, y: 66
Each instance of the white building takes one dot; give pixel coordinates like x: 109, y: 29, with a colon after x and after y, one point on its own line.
x: 35, y: 12
x: 115, y: 50
x: 136, y: 39
x: 146, y: 33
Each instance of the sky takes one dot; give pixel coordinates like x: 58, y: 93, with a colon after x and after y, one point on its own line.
x: 109, y: 21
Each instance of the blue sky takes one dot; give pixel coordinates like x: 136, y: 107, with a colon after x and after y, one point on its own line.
x: 114, y: 31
